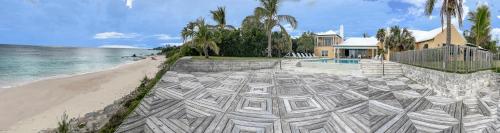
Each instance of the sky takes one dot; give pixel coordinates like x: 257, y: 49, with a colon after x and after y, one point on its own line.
x: 153, y: 23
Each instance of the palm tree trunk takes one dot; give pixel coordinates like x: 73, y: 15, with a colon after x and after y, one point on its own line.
x: 448, y: 29
x: 269, y: 43
x: 205, y: 50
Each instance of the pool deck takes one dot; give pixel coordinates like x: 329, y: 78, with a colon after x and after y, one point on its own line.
x: 272, y: 100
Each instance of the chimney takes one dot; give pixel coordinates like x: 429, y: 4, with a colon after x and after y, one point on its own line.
x: 341, y: 31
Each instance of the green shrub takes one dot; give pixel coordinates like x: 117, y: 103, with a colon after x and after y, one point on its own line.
x: 141, y: 92
x: 64, y: 125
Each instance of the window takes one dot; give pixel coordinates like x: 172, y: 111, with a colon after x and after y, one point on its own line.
x: 327, y: 41
x: 324, y: 52
x: 426, y: 46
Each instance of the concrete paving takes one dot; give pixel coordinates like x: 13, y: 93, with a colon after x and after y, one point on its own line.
x: 276, y: 101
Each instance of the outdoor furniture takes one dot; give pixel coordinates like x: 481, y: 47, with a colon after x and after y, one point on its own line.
x: 294, y: 55
x: 314, y: 56
x: 299, y: 55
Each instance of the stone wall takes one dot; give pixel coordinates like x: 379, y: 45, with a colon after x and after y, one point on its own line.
x: 186, y: 64
x: 452, y: 85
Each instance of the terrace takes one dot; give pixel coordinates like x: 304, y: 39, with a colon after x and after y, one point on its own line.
x: 275, y: 100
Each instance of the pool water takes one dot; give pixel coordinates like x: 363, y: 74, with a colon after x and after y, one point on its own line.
x: 338, y: 61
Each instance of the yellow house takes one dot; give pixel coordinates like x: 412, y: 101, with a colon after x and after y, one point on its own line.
x: 433, y: 39
x: 324, y: 44
x: 436, y: 38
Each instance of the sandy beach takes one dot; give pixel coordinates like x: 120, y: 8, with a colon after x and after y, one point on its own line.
x: 39, y: 105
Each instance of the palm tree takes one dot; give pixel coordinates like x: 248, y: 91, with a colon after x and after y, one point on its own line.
x: 480, y: 30
x: 219, y: 16
x: 202, y: 36
x: 187, y: 33
x: 267, y: 14
x: 401, y: 39
x: 382, y: 37
x: 449, y: 8
x: 396, y: 38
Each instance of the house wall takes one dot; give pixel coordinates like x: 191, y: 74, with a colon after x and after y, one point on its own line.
x: 436, y: 42
x: 330, y: 49
x: 440, y: 39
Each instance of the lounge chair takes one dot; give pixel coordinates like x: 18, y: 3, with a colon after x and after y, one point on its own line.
x: 303, y: 55
x: 294, y: 55
x: 314, y: 55
x: 310, y: 55
x: 298, y: 55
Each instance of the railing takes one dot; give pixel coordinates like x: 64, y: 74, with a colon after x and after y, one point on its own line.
x: 450, y: 58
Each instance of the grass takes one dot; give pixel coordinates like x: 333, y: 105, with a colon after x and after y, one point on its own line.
x: 129, y: 105
x: 233, y: 58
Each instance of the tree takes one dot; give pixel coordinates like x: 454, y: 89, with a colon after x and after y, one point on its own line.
x: 267, y: 14
x: 398, y: 38
x: 203, y: 36
x: 402, y: 39
x: 449, y: 8
x: 283, y: 42
x: 219, y: 16
x: 480, y: 32
x: 187, y: 33
x: 306, y: 42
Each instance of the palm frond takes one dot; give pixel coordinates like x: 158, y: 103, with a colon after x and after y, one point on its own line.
x: 219, y: 16
x: 429, y: 7
x: 288, y: 19
x: 213, y: 46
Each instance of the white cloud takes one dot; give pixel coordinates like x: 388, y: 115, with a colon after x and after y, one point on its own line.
x: 114, y: 35
x: 129, y: 3
x: 166, y: 37
x: 118, y: 46
x: 495, y: 33
x: 329, y: 32
x: 498, y: 17
x: 171, y: 44
x: 394, y: 21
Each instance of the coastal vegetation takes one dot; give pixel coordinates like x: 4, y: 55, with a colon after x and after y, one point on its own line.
x: 449, y: 9
x: 480, y: 32
x: 396, y: 38
x: 64, y: 124
x: 249, y: 40
x: 267, y: 15
x: 305, y: 43
x: 202, y: 37
x: 128, y: 106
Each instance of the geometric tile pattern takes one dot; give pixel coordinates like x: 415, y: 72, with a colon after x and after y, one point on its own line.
x: 272, y: 101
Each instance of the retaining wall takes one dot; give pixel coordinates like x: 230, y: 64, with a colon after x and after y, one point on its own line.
x: 452, y: 84
x: 186, y: 64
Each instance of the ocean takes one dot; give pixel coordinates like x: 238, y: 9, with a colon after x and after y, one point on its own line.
x: 21, y: 64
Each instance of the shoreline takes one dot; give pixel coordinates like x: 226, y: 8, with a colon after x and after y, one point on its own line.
x: 59, y: 76
x: 32, y: 108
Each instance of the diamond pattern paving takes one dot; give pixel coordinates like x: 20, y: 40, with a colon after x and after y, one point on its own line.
x: 271, y: 101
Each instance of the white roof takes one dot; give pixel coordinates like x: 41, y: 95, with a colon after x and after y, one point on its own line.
x: 425, y: 35
x: 360, y: 42
x: 421, y: 35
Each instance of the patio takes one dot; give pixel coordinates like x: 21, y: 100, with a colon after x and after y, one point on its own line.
x: 270, y: 100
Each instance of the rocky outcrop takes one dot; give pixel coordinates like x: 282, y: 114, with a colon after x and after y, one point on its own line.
x: 93, y: 121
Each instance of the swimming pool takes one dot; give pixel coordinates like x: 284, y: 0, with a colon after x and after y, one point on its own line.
x: 338, y: 61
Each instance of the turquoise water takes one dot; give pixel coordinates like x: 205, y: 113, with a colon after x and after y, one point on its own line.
x: 21, y: 64
x: 338, y: 61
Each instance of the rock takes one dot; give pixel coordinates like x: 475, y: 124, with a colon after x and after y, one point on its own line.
x: 298, y: 64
